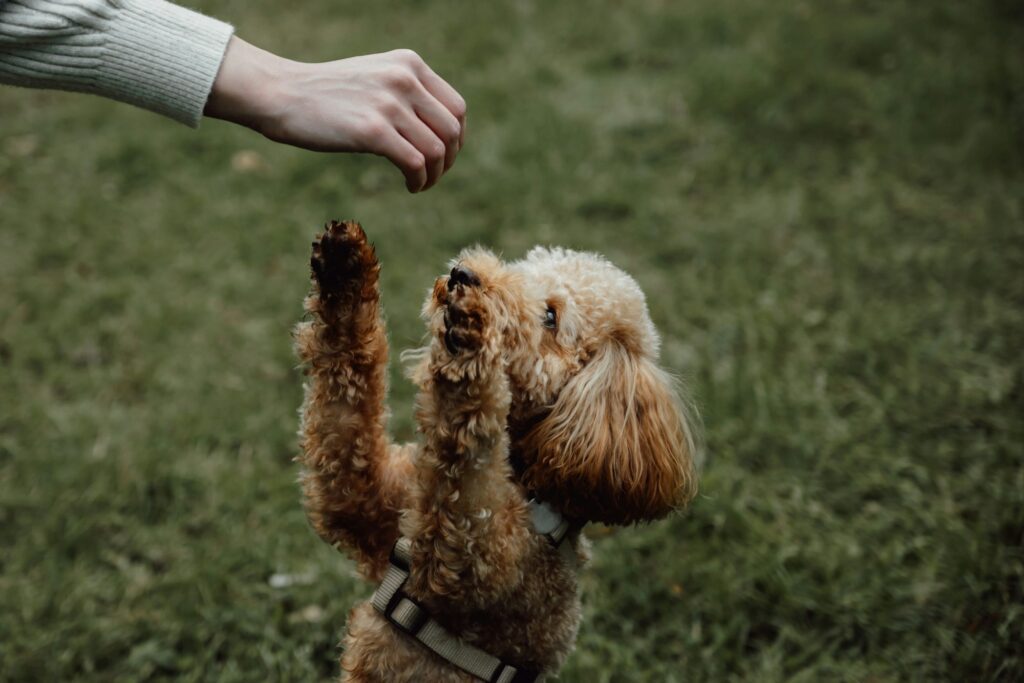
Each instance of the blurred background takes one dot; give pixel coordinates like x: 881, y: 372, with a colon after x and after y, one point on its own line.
x: 824, y: 202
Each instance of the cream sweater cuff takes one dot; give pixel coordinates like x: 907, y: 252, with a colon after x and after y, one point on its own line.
x: 163, y: 57
x: 148, y: 53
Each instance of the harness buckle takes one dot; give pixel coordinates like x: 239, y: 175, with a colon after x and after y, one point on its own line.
x: 419, y: 615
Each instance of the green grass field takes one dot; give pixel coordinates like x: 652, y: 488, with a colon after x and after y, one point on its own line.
x: 823, y: 200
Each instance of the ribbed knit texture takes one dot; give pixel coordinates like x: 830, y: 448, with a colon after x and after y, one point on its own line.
x: 149, y: 53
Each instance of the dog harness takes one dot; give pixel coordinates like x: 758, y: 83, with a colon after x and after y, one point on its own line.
x: 408, y: 616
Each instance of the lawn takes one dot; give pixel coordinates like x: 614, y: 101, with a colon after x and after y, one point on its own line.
x: 824, y: 202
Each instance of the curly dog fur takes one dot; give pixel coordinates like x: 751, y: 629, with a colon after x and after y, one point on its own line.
x: 540, y: 379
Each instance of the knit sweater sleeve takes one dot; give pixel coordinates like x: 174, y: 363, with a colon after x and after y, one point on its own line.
x: 149, y: 53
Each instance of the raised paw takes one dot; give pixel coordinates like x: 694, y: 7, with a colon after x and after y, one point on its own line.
x: 465, y: 314
x: 344, y: 264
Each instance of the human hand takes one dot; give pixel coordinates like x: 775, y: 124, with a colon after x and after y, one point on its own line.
x: 391, y: 104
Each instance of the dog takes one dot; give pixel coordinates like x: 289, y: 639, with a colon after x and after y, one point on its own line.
x: 541, y: 407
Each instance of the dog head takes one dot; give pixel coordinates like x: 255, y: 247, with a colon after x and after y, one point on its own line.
x: 597, y: 428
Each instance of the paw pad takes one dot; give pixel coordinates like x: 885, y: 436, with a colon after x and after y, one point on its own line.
x: 465, y: 318
x: 342, y: 258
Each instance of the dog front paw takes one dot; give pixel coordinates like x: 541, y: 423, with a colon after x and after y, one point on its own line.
x: 466, y: 317
x: 344, y: 265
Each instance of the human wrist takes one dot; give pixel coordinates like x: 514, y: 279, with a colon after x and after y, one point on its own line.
x: 246, y: 90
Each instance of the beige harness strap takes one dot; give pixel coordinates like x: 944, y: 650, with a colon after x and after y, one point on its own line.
x: 409, y: 616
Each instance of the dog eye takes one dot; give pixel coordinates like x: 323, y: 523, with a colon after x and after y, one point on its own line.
x: 550, y: 319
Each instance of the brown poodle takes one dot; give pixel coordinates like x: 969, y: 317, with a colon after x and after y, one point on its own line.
x: 540, y: 382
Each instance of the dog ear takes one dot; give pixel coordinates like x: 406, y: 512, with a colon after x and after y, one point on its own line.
x: 617, y: 446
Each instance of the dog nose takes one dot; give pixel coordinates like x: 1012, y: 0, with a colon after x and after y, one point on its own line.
x: 461, y: 275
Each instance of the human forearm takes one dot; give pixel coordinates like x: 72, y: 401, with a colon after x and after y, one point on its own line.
x: 148, y: 53
x: 179, y: 63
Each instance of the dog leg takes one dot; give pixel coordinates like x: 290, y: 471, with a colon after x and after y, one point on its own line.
x: 353, y: 479
x: 469, y: 527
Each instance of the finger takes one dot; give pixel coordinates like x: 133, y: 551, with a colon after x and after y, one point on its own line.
x: 406, y: 157
x: 446, y: 94
x: 428, y: 145
x: 442, y: 122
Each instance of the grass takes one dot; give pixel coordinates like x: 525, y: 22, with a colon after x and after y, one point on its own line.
x: 823, y: 200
